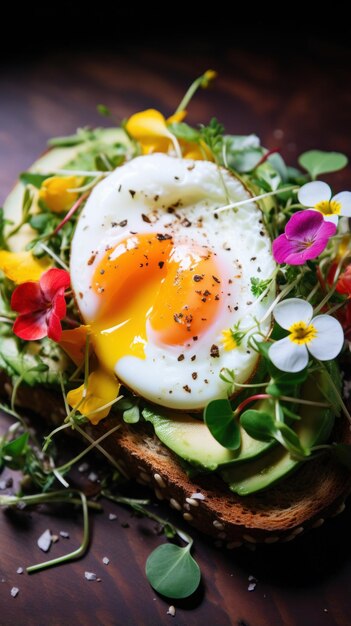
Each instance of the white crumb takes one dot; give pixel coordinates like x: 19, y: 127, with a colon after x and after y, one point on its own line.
x: 171, y: 610
x: 198, y: 496
x: 83, y: 467
x: 90, y: 576
x: 252, y: 587
x: 105, y: 560
x: 93, y: 477
x: 54, y: 538
x: 112, y: 517
x: 14, y: 592
x: 44, y: 541
x: 19, y: 570
x: 64, y: 534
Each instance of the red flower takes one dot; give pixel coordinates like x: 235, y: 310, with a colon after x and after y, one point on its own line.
x: 41, y: 306
x: 344, y: 282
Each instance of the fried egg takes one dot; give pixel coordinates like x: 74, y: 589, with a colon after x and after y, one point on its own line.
x: 159, y: 275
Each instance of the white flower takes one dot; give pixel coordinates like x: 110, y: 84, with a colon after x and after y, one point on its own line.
x: 318, y: 196
x: 321, y: 336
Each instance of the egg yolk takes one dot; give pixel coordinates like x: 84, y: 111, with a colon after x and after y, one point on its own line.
x: 145, y: 279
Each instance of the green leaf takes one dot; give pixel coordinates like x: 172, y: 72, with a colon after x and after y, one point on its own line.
x: 103, y: 110
x: 17, y: 446
x: 184, y: 131
x: 342, y: 452
x: 258, y: 424
x: 132, y: 415
x: 318, y: 162
x: 29, y: 178
x: 219, y: 419
x: 258, y: 285
x: 290, y: 439
x: 172, y: 571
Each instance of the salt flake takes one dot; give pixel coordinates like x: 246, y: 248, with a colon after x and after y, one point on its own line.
x: 44, y: 541
x: 14, y: 592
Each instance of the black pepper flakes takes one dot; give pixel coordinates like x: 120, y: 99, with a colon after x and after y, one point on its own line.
x: 163, y: 237
x: 195, y: 338
x: 216, y: 279
x: 178, y: 317
x: 197, y: 278
x: 132, y: 192
x: 214, y: 352
x: 187, y: 388
x: 145, y: 218
x: 181, y: 357
x: 92, y: 259
x: 194, y: 375
x: 161, y: 264
x: 193, y: 357
x: 156, y: 197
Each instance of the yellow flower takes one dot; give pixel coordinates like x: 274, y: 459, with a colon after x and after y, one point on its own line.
x: 22, y: 267
x: 228, y: 340
x: 102, y: 388
x: 207, y: 78
x: 56, y: 195
x: 73, y: 342
x: 150, y: 129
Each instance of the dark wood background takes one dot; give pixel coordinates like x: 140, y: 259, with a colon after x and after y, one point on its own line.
x: 295, y: 94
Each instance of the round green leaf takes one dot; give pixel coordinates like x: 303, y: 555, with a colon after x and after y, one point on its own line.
x: 258, y: 424
x: 220, y: 421
x: 172, y: 571
x: 318, y: 162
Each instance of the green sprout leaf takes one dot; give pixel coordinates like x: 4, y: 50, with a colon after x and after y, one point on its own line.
x: 132, y: 415
x: 258, y: 424
x: 220, y: 421
x: 318, y: 162
x: 172, y: 571
x: 29, y: 178
x: 17, y: 446
x: 103, y: 110
x: 290, y: 440
x: 258, y: 285
x: 184, y: 131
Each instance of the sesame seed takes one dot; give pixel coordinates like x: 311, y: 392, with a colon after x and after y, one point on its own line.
x: 217, y: 524
x: 192, y: 501
x: 160, y: 481
x: 188, y: 517
x: 175, y: 504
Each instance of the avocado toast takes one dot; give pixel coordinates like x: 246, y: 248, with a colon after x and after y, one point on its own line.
x: 257, y: 462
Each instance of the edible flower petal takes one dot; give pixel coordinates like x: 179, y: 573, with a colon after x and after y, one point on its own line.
x: 57, y: 193
x: 318, y: 196
x: 22, y: 266
x: 305, y: 237
x: 343, y: 284
x: 102, y: 388
x: 73, y: 342
x: 321, y: 336
x: 41, y: 306
x: 228, y: 340
x: 150, y: 129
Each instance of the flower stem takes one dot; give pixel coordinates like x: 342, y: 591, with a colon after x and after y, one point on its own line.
x: 198, y: 82
x: 244, y: 403
x: 234, y: 205
x: 93, y: 445
x: 76, y: 553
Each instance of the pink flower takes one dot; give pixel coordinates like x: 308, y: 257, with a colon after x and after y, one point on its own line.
x: 306, y: 235
x: 41, y: 306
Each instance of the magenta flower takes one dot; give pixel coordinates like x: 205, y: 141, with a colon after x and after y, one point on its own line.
x: 306, y: 235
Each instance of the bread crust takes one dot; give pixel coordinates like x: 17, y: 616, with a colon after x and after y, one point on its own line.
x: 299, y: 502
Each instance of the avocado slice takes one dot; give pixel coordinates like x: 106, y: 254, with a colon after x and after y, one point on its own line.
x: 314, y: 427
x: 190, y: 439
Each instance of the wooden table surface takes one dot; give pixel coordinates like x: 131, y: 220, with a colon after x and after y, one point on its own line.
x: 294, y: 102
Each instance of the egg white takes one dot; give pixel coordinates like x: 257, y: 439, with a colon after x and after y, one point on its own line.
x: 179, y: 197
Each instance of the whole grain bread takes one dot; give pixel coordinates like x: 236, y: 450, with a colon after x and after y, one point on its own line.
x: 300, y: 501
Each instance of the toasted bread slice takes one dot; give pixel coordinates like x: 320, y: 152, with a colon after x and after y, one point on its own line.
x: 300, y: 501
